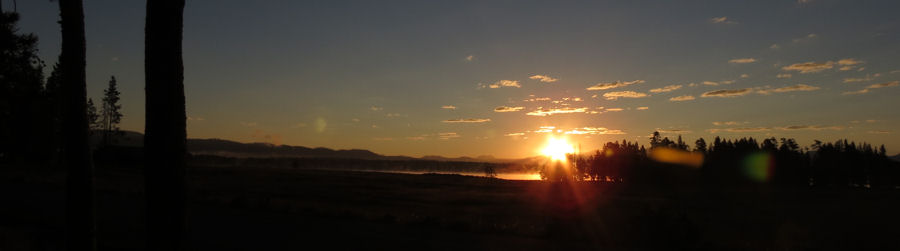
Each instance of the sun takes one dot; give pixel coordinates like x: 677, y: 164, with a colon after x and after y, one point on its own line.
x: 557, y: 148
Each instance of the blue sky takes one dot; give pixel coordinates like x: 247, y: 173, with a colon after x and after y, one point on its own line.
x: 383, y: 75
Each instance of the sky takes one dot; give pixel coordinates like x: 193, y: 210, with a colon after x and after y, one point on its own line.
x: 472, y: 78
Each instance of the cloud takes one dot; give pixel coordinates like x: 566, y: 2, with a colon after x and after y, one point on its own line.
x: 726, y: 93
x: 548, y: 111
x: 866, y: 79
x: 508, y: 109
x: 849, y: 61
x: 710, y: 83
x: 806, y: 38
x: 395, y: 115
x: 682, y: 98
x: 810, y: 127
x: 466, y: 120
x: 623, y: 94
x: 617, y: 84
x: 544, y: 78
x: 515, y: 134
x: 642, y: 108
x: 809, y: 67
x: 784, y: 75
x: 470, y: 58
x: 593, y: 131
x: 774, y: 46
x: 667, y: 88
x: 248, y: 124
x: 874, y: 86
x: 448, y: 107
x: 721, y: 20
x: 383, y: 139
x: 740, y: 129
x: 614, y: 109
x: 673, y: 131
x: 745, y: 75
x: 376, y: 108
x: 447, y: 135
x: 879, y: 132
x: 730, y: 123
x: 416, y: 138
x: 793, y: 88
x: 505, y: 83
x: 742, y: 60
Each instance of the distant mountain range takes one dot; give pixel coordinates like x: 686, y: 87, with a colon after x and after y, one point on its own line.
x: 228, y: 148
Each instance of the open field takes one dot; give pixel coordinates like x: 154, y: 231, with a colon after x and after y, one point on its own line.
x: 248, y: 209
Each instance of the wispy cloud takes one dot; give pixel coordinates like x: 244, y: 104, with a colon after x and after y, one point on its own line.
x: 793, y: 88
x: 466, y: 120
x: 784, y: 75
x: 617, y: 84
x: 728, y: 123
x: 745, y: 75
x: 614, y: 109
x: 508, y: 109
x: 721, y: 20
x: 808, y: 37
x: 872, y: 87
x: 544, y: 78
x: 727, y: 93
x: 774, y: 46
x: 809, y: 67
x: 448, y: 107
x: 469, y: 58
x: 667, y: 88
x: 515, y: 134
x: 448, y: 135
x: 552, y: 111
x: 623, y: 94
x: 505, y: 83
x: 673, y: 131
x: 640, y: 108
x: 865, y: 79
x: 740, y: 129
x: 682, y: 98
x: 742, y: 60
x: 810, y: 127
x: 376, y: 108
x: 879, y: 132
x: 593, y: 131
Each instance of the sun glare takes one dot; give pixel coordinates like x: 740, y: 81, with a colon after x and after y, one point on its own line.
x: 557, y: 148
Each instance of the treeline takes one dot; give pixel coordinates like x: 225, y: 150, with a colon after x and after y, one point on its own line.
x: 31, y: 105
x: 725, y: 162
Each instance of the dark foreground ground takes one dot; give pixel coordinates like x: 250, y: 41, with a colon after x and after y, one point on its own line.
x: 278, y: 209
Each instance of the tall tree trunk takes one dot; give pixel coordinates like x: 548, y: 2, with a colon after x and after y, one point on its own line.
x: 80, y: 228
x: 164, y: 133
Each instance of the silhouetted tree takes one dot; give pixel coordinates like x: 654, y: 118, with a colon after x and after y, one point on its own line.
x: 111, y: 116
x: 80, y: 188
x: 165, y: 135
x: 700, y: 145
x: 93, y: 117
x: 23, y: 119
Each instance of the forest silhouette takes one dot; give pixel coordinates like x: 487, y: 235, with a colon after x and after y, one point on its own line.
x: 47, y: 123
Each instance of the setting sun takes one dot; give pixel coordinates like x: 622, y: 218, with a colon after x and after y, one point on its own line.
x: 557, y: 148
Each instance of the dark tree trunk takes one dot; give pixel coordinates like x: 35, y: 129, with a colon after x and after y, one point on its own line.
x: 79, y: 181
x: 164, y: 133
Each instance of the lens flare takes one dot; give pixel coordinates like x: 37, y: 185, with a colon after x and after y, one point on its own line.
x: 759, y: 167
